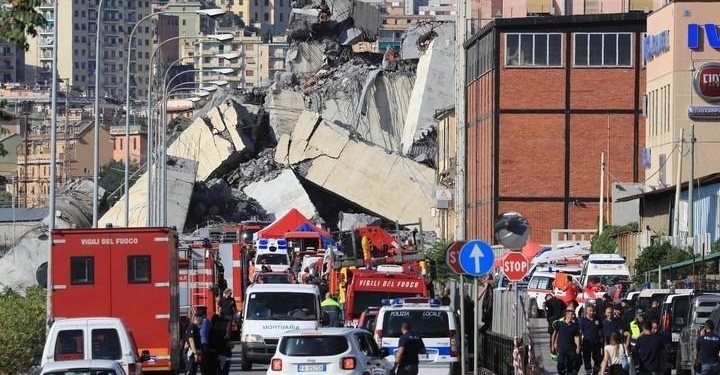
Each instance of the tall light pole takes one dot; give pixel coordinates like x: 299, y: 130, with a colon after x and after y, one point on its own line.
x: 53, y: 160
x: 96, y: 132
x: 149, y: 162
x: 203, y: 12
x: 163, y: 146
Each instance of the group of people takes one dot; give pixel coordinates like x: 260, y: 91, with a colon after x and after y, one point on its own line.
x: 207, y: 343
x: 609, y: 337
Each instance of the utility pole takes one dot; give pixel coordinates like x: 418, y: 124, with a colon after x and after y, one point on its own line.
x: 678, y: 185
x: 691, y: 213
x: 602, y: 193
x: 460, y: 126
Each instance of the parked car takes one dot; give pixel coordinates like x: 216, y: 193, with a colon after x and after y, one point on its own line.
x: 700, y: 308
x: 368, y: 318
x: 349, y: 351
x: 83, y: 367
x: 675, y: 305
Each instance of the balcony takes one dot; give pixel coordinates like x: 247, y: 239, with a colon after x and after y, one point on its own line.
x: 120, y: 130
x: 35, y: 159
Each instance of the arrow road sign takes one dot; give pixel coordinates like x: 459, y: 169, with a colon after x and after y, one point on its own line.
x: 476, y: 258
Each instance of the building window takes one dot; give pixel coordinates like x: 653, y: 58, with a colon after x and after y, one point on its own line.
x: 134, y: 143
x: 82, y: 270
x: 138, y: 269
x: 527, y: 50
x: 281, y: 17
x: 266, y: 16
x: 603, y: 49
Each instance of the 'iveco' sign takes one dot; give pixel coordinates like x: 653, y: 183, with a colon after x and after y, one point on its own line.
x: 695, y: 34
x: 655, y: 45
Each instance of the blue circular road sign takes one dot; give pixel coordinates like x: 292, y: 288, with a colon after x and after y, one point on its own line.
x: 476, y: 258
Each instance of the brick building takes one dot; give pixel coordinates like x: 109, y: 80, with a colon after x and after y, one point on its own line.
x: 545, y: 96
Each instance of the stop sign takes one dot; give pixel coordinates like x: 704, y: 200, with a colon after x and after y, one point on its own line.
x: 452, y: 257
x: 515, y: 266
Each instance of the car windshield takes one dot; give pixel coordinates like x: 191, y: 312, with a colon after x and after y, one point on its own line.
x: 608, y: 279
x: 426, y: 323
x: 83, y: 371
x: 313, y: 346
x: 272, y: 259
x: 274, y: 279
x: 282, y: 306
x: 681, y: 305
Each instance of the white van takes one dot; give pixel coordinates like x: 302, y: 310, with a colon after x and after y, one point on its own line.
x: 272, y: 253
x: 269, y: 311
x: 91, y: 338
x: 601, y: 269
x: 541, y: 284
x: 436, y: 324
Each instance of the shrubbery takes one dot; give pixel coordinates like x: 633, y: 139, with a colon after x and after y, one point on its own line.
x: 22, y: 328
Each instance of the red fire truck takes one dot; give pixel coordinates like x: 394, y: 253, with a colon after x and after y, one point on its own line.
x: 368, y: 287
x: 127, y: 273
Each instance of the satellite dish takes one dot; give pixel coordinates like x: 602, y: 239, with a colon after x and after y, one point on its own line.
x: 41, y: 275
x: 512, y: 230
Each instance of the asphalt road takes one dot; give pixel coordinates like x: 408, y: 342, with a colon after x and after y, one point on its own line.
x: 235, y: 365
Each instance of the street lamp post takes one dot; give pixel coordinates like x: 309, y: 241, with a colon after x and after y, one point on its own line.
x: 96, y: 132
x: 149, y: 164
x: 163, y: 146
x: 53, y: 160
x: 205, y: 12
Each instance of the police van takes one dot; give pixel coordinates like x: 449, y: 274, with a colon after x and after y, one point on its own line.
x: 436, y: 324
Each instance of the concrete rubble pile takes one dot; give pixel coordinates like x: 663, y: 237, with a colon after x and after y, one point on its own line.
x: 358, y: 126
x: 73, y: 207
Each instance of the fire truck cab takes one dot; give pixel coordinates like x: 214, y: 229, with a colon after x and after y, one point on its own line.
x: 107, y: 272
x: 369, y: 287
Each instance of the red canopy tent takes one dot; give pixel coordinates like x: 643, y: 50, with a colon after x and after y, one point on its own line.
x: 290, y: 222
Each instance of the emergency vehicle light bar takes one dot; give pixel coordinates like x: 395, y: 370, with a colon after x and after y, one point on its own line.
x: 413, y: 301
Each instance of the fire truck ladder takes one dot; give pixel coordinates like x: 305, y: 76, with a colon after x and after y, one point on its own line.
x: 200, y: 281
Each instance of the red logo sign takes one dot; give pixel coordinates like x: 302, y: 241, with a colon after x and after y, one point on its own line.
x: 396, y: 285
x: 452, y: 257
x: 515, y: 266
x: 707, y: 82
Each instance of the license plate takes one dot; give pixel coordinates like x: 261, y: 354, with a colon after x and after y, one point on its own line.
x: 675, y: 337
x: 311, y: 368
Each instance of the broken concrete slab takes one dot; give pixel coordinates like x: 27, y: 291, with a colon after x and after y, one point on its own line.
x: 181, y: 174
x: 199, y: 143
x: 284, y: 107
x: 418, y: 36
x: 385, y: 183
x: 306, y: 58
x: 281, y: 194
x: 433, y: 89
x: 386, y: 107
x: 350, y: 221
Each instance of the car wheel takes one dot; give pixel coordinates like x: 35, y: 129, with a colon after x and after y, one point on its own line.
x: 245, y: 364
x: 534, y: 311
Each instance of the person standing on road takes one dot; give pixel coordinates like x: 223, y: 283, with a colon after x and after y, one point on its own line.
x: 634, y: 329
x: 571, y: 291
x: 192, y: 346
x: 333, y: 310
x: 610, y: 324
x: 407, y: 356
x: 227, y: 309
x: 566, y: 343
x: 612, y: 354
x: 591, y: 332
x: 208, y: 359
x: 653, y: 313
x: 707, y: 350
x: 554, y: 310
x: 649, y: 351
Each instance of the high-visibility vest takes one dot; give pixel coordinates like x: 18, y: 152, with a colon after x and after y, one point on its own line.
x: 635, y: 330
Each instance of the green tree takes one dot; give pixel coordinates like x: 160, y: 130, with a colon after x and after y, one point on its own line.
x: 22, y: 328
x: 437, y: 254
x: 606, y: 243
x: 20, y: 20
x: 112, y: 178
x: 656, y: 255
x: 5, y: 199
x: 715, y: 248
